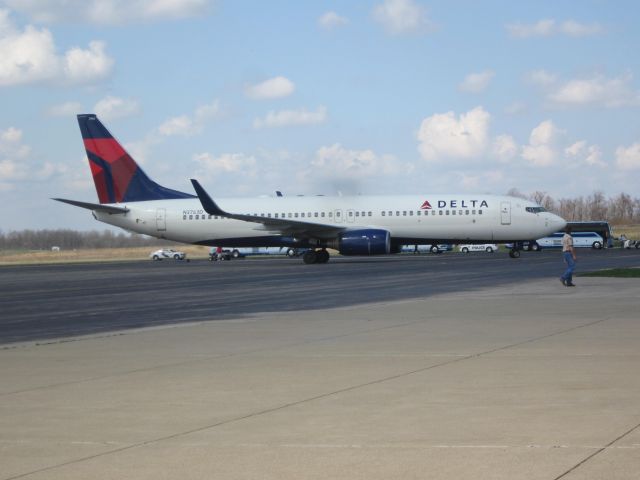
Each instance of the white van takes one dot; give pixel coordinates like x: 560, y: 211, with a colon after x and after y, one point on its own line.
x: 580, y: 239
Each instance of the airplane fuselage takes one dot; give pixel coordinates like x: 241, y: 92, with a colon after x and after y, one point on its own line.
x: 409, y: 219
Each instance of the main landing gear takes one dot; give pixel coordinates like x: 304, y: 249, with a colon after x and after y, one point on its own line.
x: 315, y: 256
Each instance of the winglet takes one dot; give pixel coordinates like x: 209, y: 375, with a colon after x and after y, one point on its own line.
x: 207, y: 202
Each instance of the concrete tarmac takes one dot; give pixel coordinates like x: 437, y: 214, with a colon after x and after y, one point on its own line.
x: 528, y: 380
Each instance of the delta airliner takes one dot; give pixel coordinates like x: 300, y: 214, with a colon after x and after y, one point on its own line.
x: 352, y: 225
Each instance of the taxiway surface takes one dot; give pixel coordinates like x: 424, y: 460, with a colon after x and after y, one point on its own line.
x: 54, y: 301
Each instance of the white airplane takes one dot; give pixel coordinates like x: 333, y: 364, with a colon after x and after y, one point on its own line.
x: 352, y: 225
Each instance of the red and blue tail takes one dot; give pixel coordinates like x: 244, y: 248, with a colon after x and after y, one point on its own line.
x: 118, y: 178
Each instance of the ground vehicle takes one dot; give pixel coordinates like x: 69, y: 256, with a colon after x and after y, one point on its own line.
x: 481, y: 247
x: 167, y: 253
x: 443, y: 247
x: 580, y: 239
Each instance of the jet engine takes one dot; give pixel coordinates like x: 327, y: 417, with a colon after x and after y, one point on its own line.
x: 364, y: 242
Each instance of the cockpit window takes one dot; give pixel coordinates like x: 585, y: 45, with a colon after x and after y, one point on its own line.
x: 535, y: 209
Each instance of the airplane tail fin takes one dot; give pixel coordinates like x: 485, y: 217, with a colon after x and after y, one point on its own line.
x: 118, y: 178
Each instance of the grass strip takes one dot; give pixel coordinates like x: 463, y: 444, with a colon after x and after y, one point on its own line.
x: 614, y: 272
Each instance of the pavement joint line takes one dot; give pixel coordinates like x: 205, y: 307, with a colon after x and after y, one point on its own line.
x: 201, y: 357
x: 327, y: 395
x: 597, y: 452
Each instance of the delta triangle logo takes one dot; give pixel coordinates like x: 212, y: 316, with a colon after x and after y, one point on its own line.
x: 426, y: 205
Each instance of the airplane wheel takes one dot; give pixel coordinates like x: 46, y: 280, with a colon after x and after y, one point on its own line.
x: 310, y: 257
x: 322, y: 256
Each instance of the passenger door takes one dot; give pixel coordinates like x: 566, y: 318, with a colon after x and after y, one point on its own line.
x: 161, y: 219
x: 505, y: 213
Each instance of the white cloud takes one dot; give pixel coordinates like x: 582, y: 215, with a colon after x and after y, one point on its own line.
x: 182, y: 125
x: 331, y: 20
x: 597, y: 91
x: 399, y: 17
x: 65, y: 109
x: 515, y: 108
x: 13, y: 155
x: 287, y: 118
x: 549, y: 27
x: 577, y: 29
x: 542, y: 150
x: 86, y: 66
x: 442, y: 135
x: 108, y: 12
x: 227, y: 162
x: 476, y: 82
x: 337, y: 161
x: 504, y: 148
x: 30, y: 56
x: 276, y: 87
x: 541, y: 78
x: 110, y: 108
x: 628, y: 158
x: 586, y: 154
x: 542, y: 28
x: 186, y: 125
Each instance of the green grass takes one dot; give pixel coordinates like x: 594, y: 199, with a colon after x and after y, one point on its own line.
x: 614, y: 272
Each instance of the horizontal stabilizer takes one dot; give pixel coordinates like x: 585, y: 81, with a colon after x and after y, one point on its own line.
x: 93, y: 206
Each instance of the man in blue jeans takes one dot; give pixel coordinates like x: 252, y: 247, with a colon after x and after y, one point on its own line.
x: 569, y: 255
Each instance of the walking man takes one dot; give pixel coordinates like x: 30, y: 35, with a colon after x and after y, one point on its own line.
x: 569, y: 255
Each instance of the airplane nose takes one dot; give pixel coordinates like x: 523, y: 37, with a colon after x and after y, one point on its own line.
x: 559, y: 222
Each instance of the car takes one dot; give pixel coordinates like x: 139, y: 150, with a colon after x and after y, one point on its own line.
x: 580, y: 239
x: 529, y: 245
x: 167, y: 253
x: 482, y: 247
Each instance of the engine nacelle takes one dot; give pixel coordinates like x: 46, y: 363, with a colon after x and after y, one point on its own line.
x: 364, y: 242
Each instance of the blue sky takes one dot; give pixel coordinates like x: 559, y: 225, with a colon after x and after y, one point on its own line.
x: 393, y: 96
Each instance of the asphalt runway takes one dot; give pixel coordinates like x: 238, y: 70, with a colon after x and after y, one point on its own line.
x: 55, y: 301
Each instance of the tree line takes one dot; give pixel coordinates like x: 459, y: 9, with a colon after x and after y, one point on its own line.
x: 619, y: 210
x: 72, y: 239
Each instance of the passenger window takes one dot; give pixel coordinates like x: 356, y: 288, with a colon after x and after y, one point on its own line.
x: 371, y: 214
x: 276, y: 215
x: 473, y: 212
x: 453, y: 212
x: 411, y: 213
x: 315, y: 214
x: 447, y: 212
x: 390, y: 213
x: 383, y: 213
x: 190, y: 217
x: 466, y: 212
x: 330, y: 214
x: 184, y: 217
x: 322, y: 214
x: 357, y: 214
x: 418, y: 213
x: 302, y: 214
x: 439, y: 212
x: 289, y: 214
x: 404, y: 213
x: 479, y: 212
x: 197, y: 217
x: 295, y: 215
x: 397, y: 213
x: 350, y: 213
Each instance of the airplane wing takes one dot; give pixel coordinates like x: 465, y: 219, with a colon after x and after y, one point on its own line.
x: 93, y: 206
x: 282, y: 226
